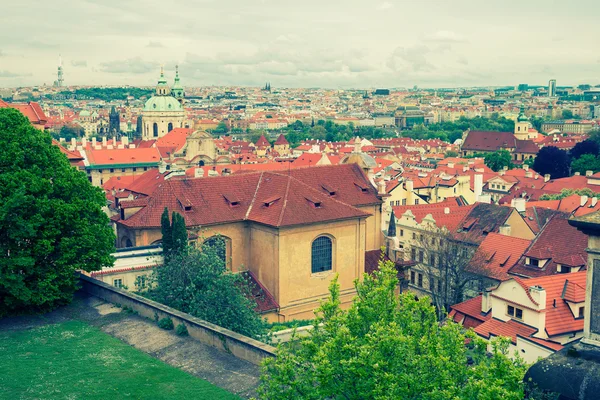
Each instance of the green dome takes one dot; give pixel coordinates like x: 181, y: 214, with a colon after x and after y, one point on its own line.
x: 162, y: 104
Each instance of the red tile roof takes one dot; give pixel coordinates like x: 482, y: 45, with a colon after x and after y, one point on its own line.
x: 124, y: 156
x: 510, y: 328
x: 265, y: 301
x: 456, y: 208
x: 31, y: 110
x: 558, y: 242
x: 281, y: 140
x: 268, y: 198
x: 172, y: 141
x: 497, y: 254
x: 262, y: 142
x: 471, y: 308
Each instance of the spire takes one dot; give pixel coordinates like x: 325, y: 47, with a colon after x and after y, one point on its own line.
x: 392, y: 226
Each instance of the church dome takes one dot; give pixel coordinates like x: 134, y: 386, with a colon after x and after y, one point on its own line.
x: 163, y: 104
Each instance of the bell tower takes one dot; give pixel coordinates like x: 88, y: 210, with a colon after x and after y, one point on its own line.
x: 522, y: 125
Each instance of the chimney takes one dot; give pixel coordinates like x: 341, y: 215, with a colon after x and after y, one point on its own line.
x: 357, y: 145
x: 409, y: 185
x: 528, y: 174
x: 93, y: 142
x: 577, y: 173
x: 198, y: 172
x: 546, y: 177
x: 381, y: 187
x: 526, y: 167
x: 486, y: 304
x: 73, y: 143
x: 594, y: 201
x: 114, y: 141
x: 589, y: 173
x: 583, y: 200
x: 450, y: 165
x: 520, y: 204
x: 104, y: 142
x: 504, y: 230
x: 478, y: 186
x: 505, y: 168
x: 446, y: 210
x: 538, y: 294
x: 465, y: 168
x: 125, y: 141
x: 162, y: 168
x: 536, y: 176
x: 83, y: 142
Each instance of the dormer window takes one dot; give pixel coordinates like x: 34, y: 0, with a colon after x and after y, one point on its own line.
x: 270, y: 201
x: 514, y: 312
x: 532, y: 262
x: 314, y: 202
x: 362, y: 187
x: 331, y: 191
x: 581, y: 311
x: 563, y: 269
x: 232, y: 200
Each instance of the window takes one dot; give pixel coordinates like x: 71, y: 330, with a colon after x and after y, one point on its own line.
x: 413, y: 254
x: 403, y: 202
x: 581, y: 311
x: 134, y: 169
x: 421, y: 256
x: 412, y: 277
x: 514, y: 312
x: 564, y: 269
x: 99, y: 171
x: 321, y: 254
x: 122, y: 169
x: 401, y: 232
x: 431, y: 283
x: 118, y: 283
x: 416, y: 202
x: 534, y: 262
x: 112, y: 170
x: 145, y: 168
x: 414, y: 236
x: 432, y: 260
x: 420, y: 281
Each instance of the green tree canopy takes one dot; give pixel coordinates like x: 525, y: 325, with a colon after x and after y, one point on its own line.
x: 569, y: 192
x: 587, y: 162
x: 69, y: 132
x: 197, y: 282
x: 167, y: 234
x: 179, y: 236
x: 51, y: 220
x: 388, y: 347
x: 586, y: 147
x: 552, y: 160
x: 497, y: 160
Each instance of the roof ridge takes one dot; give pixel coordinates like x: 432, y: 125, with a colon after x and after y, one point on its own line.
x: 254, y: 196
x: 285, y: 199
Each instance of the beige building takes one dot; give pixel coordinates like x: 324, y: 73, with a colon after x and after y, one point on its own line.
x: 162, y: 112
x: 292, y: 231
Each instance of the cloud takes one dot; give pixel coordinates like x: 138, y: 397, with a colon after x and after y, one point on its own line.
x: 8, y: 74
x: 462, y: 60
x: 413, y: 58
x: 386, y: 5
x: 79, y: 63
x: 446, y: 36
x: 1, y: 54
x: 131, y: 66
x: 153, y: 44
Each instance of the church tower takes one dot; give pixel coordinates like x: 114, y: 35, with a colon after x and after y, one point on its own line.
x: 522, y: 126
x: 177, y: 88
x: 114, y: 121
x: 162, y: 112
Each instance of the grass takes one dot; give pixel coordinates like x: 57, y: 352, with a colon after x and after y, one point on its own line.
x: 73, y: 360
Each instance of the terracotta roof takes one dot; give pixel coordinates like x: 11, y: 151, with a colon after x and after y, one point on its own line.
x: 31, y: 110
x: 281, y: 140
x: 268, y: 198
x: 265, y: 301
x: 497, y: 254
x: 573, y: 292
x: 172, y: 141
x: 544, y: 343
x: 489, y: 141
x: 124, y: 156
x: 455, y: 206
x: 262, y: 142
x: 510, y: 328
x: 472, y: 308
x: 481, y: 220
x: 71, y: 155
x: 558, y: 242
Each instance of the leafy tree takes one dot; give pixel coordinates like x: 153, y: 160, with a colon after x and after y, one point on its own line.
x: 569, y: 192
x: 586, y: 147
x: 167, y: 234
x: 594, y: 135
x: 221, y: 128
x: 552, y: 160
x: 586, y: 162
x: 51, y: 220
x: 567, y: 114
x: 497, y: 160
x: 69, y: 132
x: 179, y: 236
x: 388, y: 347
x: 197, y: 282
x: 451, y: 153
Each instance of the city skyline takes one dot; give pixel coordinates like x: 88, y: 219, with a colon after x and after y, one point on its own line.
x: 351, y: 44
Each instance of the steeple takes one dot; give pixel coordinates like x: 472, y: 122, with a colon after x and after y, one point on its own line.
x: 177, y: 88
x: 162, y: 89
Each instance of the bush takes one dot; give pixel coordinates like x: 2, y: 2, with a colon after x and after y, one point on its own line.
x: 181, y: 330
x: 166, y: 324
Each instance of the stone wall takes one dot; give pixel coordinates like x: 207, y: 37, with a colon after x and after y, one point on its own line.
x: 240, y: 346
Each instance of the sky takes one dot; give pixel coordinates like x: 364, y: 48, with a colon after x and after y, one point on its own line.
x: 323, y: 43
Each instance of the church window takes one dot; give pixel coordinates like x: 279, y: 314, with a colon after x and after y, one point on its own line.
x: 155, y: 129
x: 321, y: 254
x: 170, y: 125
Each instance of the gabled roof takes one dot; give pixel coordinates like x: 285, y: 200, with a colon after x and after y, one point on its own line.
x: 497, y: 254
x: 268, y: 198
x: 281, y: 140
x: 489, y: 141
x: 31, y: 110
x: 173, y: 141
x: 510, y: 328
x: 262, y: 142
x: 558, y: 242
x: 481, y: 220
x: 123, y: 156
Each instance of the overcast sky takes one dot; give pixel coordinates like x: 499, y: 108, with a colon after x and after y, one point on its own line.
x: 310, y: 43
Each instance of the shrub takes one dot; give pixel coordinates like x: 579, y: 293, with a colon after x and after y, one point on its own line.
x: 166, y: 323
x: 181, y: 330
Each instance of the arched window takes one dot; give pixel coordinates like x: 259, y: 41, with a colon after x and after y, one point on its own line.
x: 321, y: 254
x: 170, y: 126
x: 126, y: 242
x: 155, y: 129
x: 201, y: 163
x: 218, y: 244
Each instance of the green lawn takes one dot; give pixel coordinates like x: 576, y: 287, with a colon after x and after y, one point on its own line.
x: 73, y: 360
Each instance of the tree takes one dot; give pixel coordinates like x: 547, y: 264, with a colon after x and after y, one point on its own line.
x: 586, y: 162
x: 449, y: 265
x: 197, y: 282
x: 388, y: 347
x: 51, y: 220
x: 569, y: 192
x: 586, y: 147
x: 567, y: 114
x: 221, y: 128
x: 552, y: 160
x: 451, y: 153
x: 497, y: 160
x: 167, y: 234
x: 179, y: 236
x: 69, y: 132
